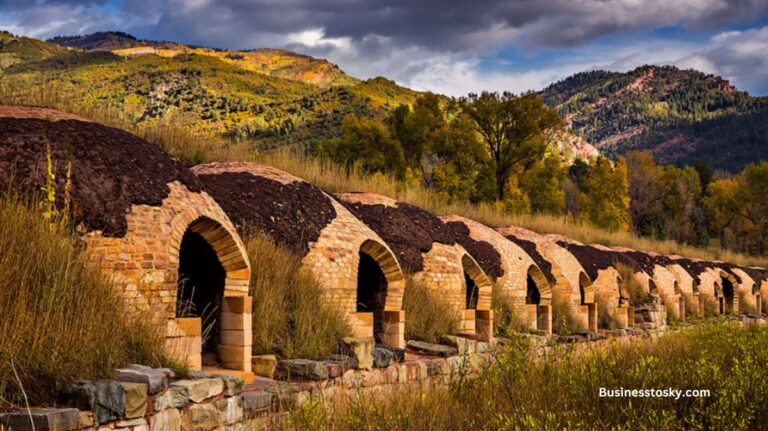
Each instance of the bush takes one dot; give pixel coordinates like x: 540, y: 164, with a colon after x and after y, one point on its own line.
x: 564, y: 321
x: 560, y: 388
x: 427, y: 315
x: 632, y: 288
x: 61, y: 318
x: 505, y: 321
x: 289, y: 317
x: 606, y: 319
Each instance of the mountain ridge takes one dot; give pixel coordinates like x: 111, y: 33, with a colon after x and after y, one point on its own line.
x: 680, y: 116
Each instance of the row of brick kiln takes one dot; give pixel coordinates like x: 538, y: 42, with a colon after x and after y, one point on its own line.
x: 173, y: 241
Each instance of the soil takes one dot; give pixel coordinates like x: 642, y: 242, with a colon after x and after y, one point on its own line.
x: 530, y: 248
x: 594, y: 259
x: 407, y: 229
x: 111, y: 169
x: 293, y: 214
x: 484, y: 253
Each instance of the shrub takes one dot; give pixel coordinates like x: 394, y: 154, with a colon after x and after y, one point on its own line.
x: 559, y: 388
x: 289, y: 317
x: 632, y: 288
x: 564, y: 321
x: 505, y: 321
x: 61, y: 317
x: 427, y: 315
x: 606, y: 319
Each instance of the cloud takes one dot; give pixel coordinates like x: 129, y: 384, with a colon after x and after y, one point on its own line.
x: 439, y: 45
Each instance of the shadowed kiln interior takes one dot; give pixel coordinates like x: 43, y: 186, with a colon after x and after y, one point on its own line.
x: 372, y: 292
x: 201, y: 287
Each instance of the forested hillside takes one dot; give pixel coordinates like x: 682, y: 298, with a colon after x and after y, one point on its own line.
x: 681, y: 116
x: 269, y: 98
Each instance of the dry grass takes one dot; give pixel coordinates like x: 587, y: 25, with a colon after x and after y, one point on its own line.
x: 632, y: 288
x: 177, y: 138
x: 560, y: 390
x: 61, y: 317
x: 428, y: 316
x: 289, y: 318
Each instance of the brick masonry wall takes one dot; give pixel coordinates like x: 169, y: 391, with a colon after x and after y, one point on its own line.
x: 334, y: 259
x: 516, y: 263
x: 566, y: 269
x: 145, y: 262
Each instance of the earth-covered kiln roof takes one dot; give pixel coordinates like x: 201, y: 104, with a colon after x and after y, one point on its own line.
x: 407, y: 229
x: 254, y: 196
x: 111, y: 170
x: 484, y: 253
x: 523, y: 239
x: 595, y: 258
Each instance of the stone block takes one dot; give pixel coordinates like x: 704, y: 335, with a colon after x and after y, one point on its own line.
x: 232, y: 385
x: 166, y: 420
x: 201, y: 389
x: 382, y: 357
x: 230, y: 411
x: 430, y: 349
x: 236, y: 338
x: 135, y: 399
x: 85, y: 420
x: 131, y: 423
x: 345, y: 362
x: 238, y: 304
x: 156, y: 379
x: 360, y: 349
x: 201, y: 417
x: 398, y: 354
x: 302, y: 369
x: 185, y: 327
x: 464, y: 346
x: 235, y: 357
x: 255, y: 402
x: 264, y: 365
x: 42, y: 420
x: 175, y: 397
x: 105, y: 398
x: 233, y: 321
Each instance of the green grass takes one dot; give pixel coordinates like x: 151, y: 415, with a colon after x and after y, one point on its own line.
x: 561, y: 389
x: 289, y: 318
x: 61, y: 317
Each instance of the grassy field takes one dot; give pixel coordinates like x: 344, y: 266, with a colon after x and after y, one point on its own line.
x: 561, y: 389
x: 61, y: 319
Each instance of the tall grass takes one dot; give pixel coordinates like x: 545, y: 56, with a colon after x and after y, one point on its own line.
x: 289, y: 317
x: 177, y: 137
x: 427, y: 315
x: 560, y: 390
x: 60, y: 318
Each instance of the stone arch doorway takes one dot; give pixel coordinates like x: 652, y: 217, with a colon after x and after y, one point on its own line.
x: 538, y: 301
x: 213, y: 309
x: 380, y: 284
x: 587, y: 306
x: 477, y: 317
x: 200, y: 292
x: 729, y: 300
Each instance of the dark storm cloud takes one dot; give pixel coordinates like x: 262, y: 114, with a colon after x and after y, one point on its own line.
x: 436, y: 24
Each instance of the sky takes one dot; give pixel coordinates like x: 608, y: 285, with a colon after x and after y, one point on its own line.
x: 449, y: 47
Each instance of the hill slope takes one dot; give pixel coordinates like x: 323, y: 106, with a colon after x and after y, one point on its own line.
x: 269, y: 97
x: 679, y: 115
x: 273, y: 62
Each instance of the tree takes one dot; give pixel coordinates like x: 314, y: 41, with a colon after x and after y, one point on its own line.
x: 415, y: 129
x: 646, y: 193
x: 681, y: 196
x: 605, y: 203
x: 514, y: 130
x: 365, y: 143
x: 542, y: 184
